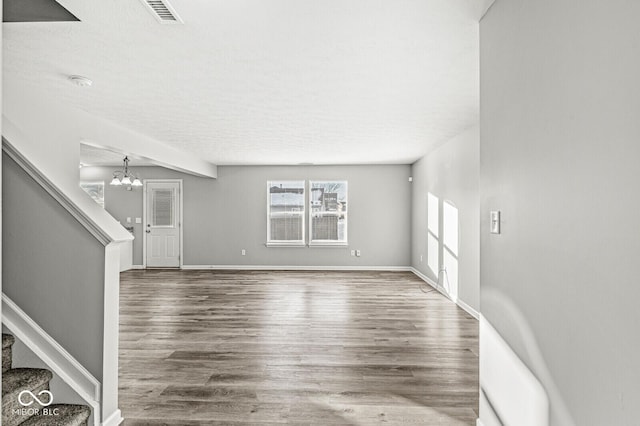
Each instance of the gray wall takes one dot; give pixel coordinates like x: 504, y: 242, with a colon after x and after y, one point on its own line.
x: 451, y: 173
x: 560, y: 157
x: 49, y: 259
x: 225, y: 215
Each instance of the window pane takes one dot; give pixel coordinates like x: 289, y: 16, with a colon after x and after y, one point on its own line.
x: 450, y: 227
x: 95, y: 191
x: 162, y: 206
x: 432, y: 214
x: 286, y: 211
x: 328, y: 202
x: 433, y: 258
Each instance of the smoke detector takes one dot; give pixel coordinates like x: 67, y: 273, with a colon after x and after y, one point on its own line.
x: 81, y: 81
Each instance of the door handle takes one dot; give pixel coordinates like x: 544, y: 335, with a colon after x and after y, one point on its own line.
x: 148, y: 231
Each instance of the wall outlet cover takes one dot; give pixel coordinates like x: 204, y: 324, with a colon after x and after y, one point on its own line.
x: 494, y: 222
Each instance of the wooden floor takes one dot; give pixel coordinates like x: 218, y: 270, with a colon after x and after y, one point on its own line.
x: 303, y: 348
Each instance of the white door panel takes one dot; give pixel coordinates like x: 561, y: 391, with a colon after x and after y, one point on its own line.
x: 162, y: 227
x: 172, y: 246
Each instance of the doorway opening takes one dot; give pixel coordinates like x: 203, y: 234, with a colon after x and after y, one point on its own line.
x: 162, y: 212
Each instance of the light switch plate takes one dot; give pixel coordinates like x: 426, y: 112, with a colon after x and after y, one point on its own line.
x: 128, y: 220
x: 138, y: 220
x: 494, y: 222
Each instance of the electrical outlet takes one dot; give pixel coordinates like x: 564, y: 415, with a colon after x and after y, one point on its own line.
x: 128, y: 220
x: 358, y: 253
x: 244, y: 252
x: 353, y: 252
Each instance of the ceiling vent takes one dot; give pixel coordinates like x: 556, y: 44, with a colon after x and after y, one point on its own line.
x: 163, y: 11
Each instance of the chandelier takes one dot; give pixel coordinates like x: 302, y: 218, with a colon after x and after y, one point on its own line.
x: 125, y: 176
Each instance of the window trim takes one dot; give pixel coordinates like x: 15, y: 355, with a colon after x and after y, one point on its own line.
x: 280, y: 243
x: 286, y: 243
x: 86, y: 186
x: 329, y: 243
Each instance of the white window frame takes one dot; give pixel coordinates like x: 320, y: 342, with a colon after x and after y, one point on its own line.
x: 287, y: 243
x: 85, y: 185
x: 329, y: 243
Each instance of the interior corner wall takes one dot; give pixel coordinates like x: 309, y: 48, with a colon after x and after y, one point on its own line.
x: 560, y: 148
x: 225, y: 215
x: 49, y: 260
x: 451, y: 173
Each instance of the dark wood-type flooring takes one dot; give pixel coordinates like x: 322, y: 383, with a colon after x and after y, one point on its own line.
x: 303, y: 348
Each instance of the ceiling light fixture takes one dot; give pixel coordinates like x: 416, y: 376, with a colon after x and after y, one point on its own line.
x: 125, y: 176
x: 81, y: 81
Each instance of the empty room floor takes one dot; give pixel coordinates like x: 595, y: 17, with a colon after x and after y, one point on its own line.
x: 293, y: 347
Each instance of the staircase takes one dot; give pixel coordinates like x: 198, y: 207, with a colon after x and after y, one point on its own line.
x: 27, y: 410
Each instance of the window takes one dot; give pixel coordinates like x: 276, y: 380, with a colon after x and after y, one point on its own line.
x: 433, y: 244
x: 162, y: 207
x: 95, y: 191
x: 285, y: 212
x: 328, y: 212
x: 450, y: 249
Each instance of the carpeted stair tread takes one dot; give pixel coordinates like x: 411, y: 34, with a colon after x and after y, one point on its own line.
x: 68, y: 415
x: 7, y: 340
x: 18, y: 379
x: 7, y: 343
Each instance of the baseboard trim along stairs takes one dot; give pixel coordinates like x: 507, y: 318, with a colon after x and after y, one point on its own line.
x: 26, y: 397
x: 57, y: 359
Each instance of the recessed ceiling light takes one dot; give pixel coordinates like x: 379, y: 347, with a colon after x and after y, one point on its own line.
x: 81, y: 81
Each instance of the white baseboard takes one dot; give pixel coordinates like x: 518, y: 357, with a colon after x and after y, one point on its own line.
x: 61, y: 362
x: 429, y: 281
x: 435, y: 285
x: 114, y: 419
x: 297, y: 268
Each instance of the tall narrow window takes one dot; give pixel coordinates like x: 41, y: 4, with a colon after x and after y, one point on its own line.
x: 450, y: 249
x: 328, y: 212
x: 433, y: 244
x: 286, y: 212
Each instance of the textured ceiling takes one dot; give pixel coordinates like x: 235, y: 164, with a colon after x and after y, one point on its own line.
x: 264, y: 81
x: 93, y: 156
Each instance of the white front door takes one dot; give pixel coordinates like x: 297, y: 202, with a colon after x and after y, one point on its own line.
x: 162, y: 227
